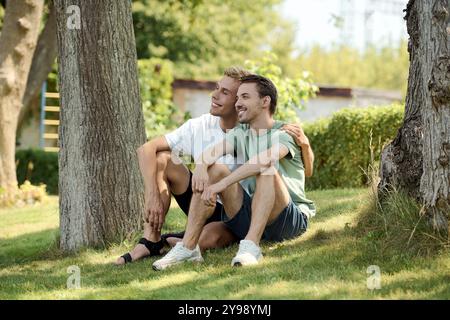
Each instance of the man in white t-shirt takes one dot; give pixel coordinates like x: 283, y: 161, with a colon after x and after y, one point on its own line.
x: 165, y: 175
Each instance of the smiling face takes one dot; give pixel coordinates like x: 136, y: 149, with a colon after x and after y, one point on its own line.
x: 223, y: 98
x: 249, y: 104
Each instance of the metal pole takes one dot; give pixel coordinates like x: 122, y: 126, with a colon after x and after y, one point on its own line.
x: 41, y: 125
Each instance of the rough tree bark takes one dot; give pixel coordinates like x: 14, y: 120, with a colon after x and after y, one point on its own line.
x: 417, y: 160
x: 434, y: 44
x: 101, y: 189
x: 18, y: 41
x: 41, y: 65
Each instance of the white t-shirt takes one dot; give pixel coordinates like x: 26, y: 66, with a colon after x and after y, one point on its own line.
x: 196, y: 135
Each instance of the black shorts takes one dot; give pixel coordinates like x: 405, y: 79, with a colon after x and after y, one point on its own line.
x: 184, y: 201
x: 290, y: 223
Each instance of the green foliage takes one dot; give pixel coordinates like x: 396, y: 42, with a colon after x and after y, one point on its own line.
x: 2, y: 14
x: 292, y: 93
x: 394, y: 226
x: 333, y: 262
x: 346, y: 144
x: 204, y: 37
x: 155, y: 80
x: 383, y: 68
x: 38, y: 167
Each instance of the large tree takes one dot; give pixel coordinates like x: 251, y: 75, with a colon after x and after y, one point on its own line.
x: 203, y: 36
x: 417, y: 161
x: 18, y: 40
x: 43, y: 59
x: 101, y: 191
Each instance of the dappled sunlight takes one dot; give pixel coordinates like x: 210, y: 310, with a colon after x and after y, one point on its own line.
x: 30, y: 219
x: 329, y: 261
x: 26, y: 228
x: 167, y: 280
x: 300, y: 290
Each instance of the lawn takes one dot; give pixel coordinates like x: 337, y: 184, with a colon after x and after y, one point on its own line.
x: 329, y: 261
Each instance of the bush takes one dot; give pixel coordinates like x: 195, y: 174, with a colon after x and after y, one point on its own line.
x: 38, y: 166
x: 26, y: 194
x: 346, y: 144
x: 155, y: 81
x: 292, y: 93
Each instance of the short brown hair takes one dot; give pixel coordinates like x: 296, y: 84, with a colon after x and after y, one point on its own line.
x: 236, y: 72
x: 265, y: 88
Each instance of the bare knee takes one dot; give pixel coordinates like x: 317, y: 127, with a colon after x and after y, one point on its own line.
x: 162, y: 158
x: 215, y: 235
x: 209, y: 241
x: 217, y: 172
x: 266, y: 178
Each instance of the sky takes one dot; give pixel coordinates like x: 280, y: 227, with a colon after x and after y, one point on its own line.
x: 375, y: 21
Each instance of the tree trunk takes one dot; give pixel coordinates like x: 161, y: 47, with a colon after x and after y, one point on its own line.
x: 18, y: 41
x: 101, y: 189
x: 417, y: 160
x: 434, y: 45
x: 41, y: 66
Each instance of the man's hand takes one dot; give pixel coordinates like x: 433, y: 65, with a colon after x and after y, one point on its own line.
x: 154, y: 211
x: 209, y: 195
x: 200, y: 178
x: 296, y: 132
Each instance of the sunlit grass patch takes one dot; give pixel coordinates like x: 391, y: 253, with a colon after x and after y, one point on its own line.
x: 329, y: 261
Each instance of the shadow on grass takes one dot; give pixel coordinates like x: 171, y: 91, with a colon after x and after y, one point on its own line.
x: 28, y: 247
x: 326, y: 265
x: 331, y: 265
x: 43, y: 245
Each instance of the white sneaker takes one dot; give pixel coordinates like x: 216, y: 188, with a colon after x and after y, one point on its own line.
x: 178, y: 254
x: 249, y: 254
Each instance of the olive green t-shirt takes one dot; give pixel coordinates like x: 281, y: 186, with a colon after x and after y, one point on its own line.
x: 247, y: 144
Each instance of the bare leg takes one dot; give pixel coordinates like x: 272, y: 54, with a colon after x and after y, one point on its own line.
x: 170, y: 178
x: 215, y: 235
x: 270, y: 198
x: 198, y: 214
x: 232, y: 199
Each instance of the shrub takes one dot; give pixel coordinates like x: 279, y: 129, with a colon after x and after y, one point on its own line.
x: 346, y: 144
x: 160, y: 113
x: 38, y: 166
x: 292, y: 93
x: 26, y: 194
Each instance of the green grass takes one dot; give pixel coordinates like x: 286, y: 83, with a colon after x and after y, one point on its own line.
x: 329, y: 261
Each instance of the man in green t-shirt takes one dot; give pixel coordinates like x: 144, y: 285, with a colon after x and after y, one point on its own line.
x: 269, y: 203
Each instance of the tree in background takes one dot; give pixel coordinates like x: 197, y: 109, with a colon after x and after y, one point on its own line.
x: 292, y: 92
x: 18, y: 40
x: 417, y: 161
x: 282, y: 44
x: 160, y: 113
x: 203, y: 37
x: 43, y: 59
x: 377, y: 67
x: 2, y: 13
x: 100, y: 186
x: 41, y: 66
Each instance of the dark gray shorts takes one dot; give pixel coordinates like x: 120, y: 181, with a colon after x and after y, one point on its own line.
x: 290, y: 223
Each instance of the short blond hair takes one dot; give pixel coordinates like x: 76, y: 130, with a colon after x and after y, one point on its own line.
x: 236, y: 72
